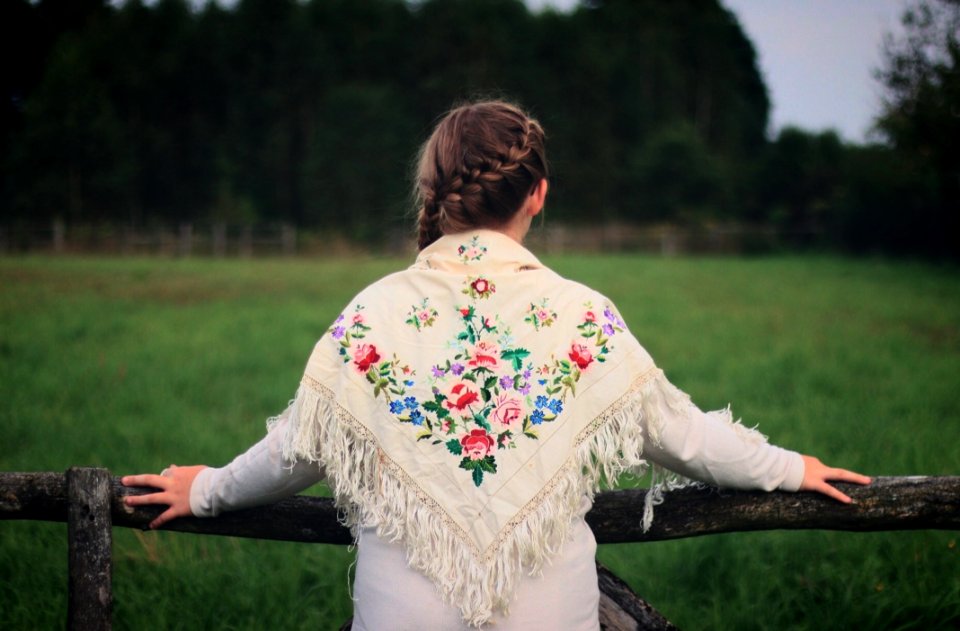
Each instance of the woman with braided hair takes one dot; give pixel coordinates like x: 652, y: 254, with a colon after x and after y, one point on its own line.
x: 464, y: 412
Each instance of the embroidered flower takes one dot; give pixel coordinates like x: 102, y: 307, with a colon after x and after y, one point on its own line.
x: 338, y: 332
x: 477, y: 444
x: 457, y: 369
x: 422, y: 316
x: 364, y: 356
x: 416, y: 417
x: 479, y: 288
x: 472, y: 251
x: 540, y: 315
x: 461, y: 395
x: 580, y: 354
x: 396, y: 407
x: 508, y: 410
x: 613, y: 317
x: 485, y: 355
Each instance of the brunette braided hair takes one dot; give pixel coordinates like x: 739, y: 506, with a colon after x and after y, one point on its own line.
x: 477, y: 168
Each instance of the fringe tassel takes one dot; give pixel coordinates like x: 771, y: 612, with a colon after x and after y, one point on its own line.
x: 372, y: 491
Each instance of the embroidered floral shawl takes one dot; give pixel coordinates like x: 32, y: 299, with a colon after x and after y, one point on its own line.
x: 465, y: 406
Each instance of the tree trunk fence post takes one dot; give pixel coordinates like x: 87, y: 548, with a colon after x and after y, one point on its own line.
x: 91, y: 502
x: 219, y: 239
x: 90, y: 537
x: 59, y: 236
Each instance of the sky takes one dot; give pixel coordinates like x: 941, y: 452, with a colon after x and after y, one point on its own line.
x: 817, y: 58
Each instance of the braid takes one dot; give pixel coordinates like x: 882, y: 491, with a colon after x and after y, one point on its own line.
x: 477, y: 169
x: 428, y: 222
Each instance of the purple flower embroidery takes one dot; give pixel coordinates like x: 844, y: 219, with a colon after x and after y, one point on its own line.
x: 338, y: 331
x: 457, y: 369
x: 610, y: 315
x: 506, y: 381
x: 608, y: 329
x: 438, y: 371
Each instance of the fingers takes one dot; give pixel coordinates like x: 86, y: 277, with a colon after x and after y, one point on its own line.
x: 167, y: 515
x: 149, y: 498
x: 842, y: 475
x: 834, y: 493
x: 146, y: 479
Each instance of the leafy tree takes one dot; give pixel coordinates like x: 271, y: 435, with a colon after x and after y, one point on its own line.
x: 921, y: 114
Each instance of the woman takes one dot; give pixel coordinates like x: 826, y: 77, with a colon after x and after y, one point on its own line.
x: 465, y: 410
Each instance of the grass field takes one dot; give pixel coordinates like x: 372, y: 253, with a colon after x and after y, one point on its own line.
x: 133, y: 364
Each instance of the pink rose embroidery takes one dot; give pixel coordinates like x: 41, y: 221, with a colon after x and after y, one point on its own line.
x: 580, y: 354
x: 364, y: 356
x: 485, y: 354
x: 508, y: 410
x: 477, y: 444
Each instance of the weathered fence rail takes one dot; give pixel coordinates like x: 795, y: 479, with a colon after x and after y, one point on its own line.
x: 91, y: 502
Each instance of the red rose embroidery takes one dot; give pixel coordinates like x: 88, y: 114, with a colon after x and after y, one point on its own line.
x: 580, y: 355
x: 365, y: 356
x: 477, y: 444
x: 465, y: 312
x: 590, y: 316
x: 481, y: 286
x: 462, y: 394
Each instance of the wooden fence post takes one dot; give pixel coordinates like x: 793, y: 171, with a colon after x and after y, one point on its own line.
x: 89, y: 535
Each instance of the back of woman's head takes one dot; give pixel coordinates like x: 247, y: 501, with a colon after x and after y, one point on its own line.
x: 477, y: 168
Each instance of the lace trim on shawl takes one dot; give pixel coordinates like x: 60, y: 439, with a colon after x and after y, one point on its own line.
x: 372, y: 490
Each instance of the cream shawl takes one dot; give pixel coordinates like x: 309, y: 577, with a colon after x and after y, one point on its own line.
x: 465, y: 407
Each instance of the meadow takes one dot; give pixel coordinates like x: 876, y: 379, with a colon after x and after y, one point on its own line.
x: 134, y: 364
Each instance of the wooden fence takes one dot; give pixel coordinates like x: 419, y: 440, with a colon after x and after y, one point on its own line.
x: 222, y: 240
x: 91, y: 502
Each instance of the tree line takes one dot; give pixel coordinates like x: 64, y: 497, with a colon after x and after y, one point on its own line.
x: 309, y: 113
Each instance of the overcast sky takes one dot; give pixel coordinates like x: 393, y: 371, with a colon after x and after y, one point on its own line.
x: 817, y: 57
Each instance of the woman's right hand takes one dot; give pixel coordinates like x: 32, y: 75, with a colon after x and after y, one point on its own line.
x: 174, y: 484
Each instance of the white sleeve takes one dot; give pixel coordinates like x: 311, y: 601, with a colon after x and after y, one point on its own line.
x: 710, y: 447
x: 258, y: 476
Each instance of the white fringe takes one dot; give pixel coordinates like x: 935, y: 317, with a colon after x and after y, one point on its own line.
x: 371, y: 490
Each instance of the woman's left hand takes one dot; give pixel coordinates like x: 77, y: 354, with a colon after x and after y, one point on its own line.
x: 816, y: 475
x: 174, y: 484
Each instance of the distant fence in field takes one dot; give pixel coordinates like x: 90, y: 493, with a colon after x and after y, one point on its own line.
x: 227, y: 240
x: 91, y: 502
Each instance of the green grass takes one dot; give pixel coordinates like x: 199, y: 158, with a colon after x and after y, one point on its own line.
x: 133, y: 364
